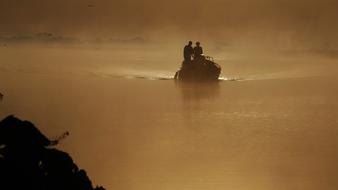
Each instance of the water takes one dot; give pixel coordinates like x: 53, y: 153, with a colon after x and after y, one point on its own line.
x: 132, y: 127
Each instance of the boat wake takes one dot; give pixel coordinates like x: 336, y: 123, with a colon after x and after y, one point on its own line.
x: 165, y: 75
x: 138, y: 74
x: 158, y: 76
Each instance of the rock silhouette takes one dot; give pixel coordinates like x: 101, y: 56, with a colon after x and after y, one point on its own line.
x: 28, y: 161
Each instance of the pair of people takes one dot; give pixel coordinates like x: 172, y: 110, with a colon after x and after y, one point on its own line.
x: 189, y: 51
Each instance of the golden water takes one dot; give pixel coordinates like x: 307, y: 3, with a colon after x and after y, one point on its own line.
x: 275, y: 129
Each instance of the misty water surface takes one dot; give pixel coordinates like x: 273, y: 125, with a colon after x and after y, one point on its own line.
x: 276, y: 128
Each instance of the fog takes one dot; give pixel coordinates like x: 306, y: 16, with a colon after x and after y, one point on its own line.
x: 286, y: 24
x: 273, y: 129
x: 103, y: 70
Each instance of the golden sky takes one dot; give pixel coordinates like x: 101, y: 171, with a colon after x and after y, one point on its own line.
x: 169, y: 18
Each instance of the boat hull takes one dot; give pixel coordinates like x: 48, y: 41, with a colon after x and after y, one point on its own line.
x: 198, y: 70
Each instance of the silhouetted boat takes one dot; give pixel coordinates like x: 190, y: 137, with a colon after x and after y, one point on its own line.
x: 199, y: 70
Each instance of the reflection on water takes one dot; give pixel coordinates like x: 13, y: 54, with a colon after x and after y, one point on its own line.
x: 144, y: 134
x: 194, y: 91
x: 158, y: 134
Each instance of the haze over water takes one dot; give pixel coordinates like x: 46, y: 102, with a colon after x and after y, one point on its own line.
x: 276, y: 128
x: 103, y: 70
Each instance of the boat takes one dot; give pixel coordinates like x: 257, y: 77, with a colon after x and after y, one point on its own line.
x: 203, y: 69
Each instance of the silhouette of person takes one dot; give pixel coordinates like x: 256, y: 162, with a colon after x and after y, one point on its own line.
x: 188, y: 51
x: 198, y: 51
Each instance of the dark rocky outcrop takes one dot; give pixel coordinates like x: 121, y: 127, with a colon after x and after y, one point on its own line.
x: 28, y: 161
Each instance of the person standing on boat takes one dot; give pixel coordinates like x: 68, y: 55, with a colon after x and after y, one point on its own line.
x: 198, y: 51
x: 188, y: 51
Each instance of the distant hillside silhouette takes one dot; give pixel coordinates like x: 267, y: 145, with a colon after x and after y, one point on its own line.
x: 28, y: 161
x: 43, y: 37
x: 129, y: 40
x: 46, y: 37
